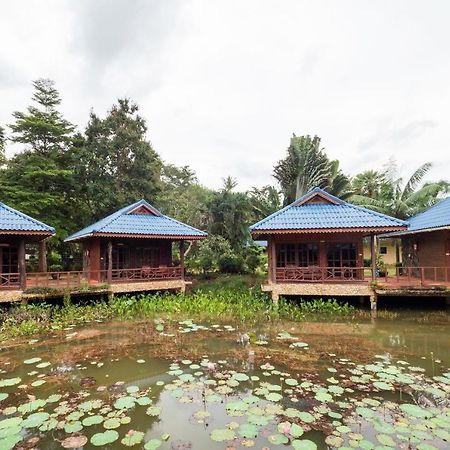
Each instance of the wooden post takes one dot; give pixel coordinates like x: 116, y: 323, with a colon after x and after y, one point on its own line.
x: 43, y: 256
x: 373, y: 256
x: 109, y: 275
x: 269, y: 261
x: 273, y: 257
x: 182, y: 258
x: 21, y: 264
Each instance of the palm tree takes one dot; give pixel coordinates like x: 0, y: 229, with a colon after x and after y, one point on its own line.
x: 399, y: 199
x: 307, y: 166
x: 369, y: 183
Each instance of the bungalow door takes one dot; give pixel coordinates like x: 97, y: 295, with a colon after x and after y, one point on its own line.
x: 8, y: 265
x: 8, y: 259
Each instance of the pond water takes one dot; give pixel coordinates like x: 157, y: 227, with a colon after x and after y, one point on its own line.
x: 180, y: 385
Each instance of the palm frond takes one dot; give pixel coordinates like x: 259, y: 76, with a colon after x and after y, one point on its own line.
x: 415, y: 179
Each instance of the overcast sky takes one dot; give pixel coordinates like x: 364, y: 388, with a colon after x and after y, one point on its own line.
x: 224, y: 84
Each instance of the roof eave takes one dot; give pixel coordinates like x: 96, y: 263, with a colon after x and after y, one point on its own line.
x: 29, y: 232
x: 137, y: 235
x: 409, y: 232
x: 255, y: 233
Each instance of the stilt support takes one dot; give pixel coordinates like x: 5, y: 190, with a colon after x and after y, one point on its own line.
x: 275, y: 296
x: 373, y: 305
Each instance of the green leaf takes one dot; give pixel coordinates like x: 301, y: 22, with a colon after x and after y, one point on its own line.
x: 222, y: 434
x: 132, y: 438
x: 105, y: 438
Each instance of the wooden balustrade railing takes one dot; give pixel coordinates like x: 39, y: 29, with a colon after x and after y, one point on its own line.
x: 9, y: 281
x: 56, y: 279
x: 317, y: 274
x: 143, y: 274
x: 423, y: 276
x: 74, y: 279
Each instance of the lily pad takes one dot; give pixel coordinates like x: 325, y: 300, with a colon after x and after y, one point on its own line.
x: 132, y: 438
x: 92, y: 420
x: 105, y: 438
x: 222, y: 434
x: 74, y: 441
x: 32, y: 360
x: 303, y: 444
x: 152, y: 444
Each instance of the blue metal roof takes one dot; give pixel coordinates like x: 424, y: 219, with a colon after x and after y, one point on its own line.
x: 127, y: 222
x: 12, y: 220
x: 331, y: 213
x: 434, y: 217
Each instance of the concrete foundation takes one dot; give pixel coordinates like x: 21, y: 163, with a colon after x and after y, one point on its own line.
x: 9, y: 296
x: 318, y: 290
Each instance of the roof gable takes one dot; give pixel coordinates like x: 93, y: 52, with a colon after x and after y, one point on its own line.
x: 139, y: 219
x: 319, y: 211
x: 14, y: 221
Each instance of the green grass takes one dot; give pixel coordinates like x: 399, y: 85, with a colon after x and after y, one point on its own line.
x: 218, y: 282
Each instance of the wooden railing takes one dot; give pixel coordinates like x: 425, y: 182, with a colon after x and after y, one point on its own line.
x: 74, y: 279
x: 423, y: 276
x: 9, y: 281
x: 143, y: 274
x: 56, y: 279
x: 319, y: 274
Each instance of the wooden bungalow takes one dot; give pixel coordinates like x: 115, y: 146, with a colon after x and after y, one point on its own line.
x: 16, y: 231
x: 134, y: 245
x: 315, y: 246
x: 426, y: 247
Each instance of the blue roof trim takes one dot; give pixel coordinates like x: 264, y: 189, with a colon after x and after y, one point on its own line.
x: 436, y: 216
x: 336, y: 214
x: 122, y: 222
x: 13, y: 220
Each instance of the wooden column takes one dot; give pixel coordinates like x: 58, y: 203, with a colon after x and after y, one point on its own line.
x: 182, y: 259
x: 109, y: 275
x: 373, y: 256
x: 21, y: 264
x: 273, y: 254
x: 43, y: 256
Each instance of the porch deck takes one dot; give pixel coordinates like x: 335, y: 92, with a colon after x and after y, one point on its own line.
x: 116, y: 281
x: 357, y: 281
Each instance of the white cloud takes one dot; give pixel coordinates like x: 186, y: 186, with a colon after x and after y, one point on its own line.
x: 224, y: 84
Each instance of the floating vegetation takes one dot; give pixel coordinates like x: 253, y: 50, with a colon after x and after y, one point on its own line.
x: 242, y: 397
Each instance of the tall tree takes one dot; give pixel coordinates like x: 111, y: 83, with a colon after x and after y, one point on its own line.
x: 307, y: 166
x: 42, y: 127
x: 264, y: 201
x: 182, y: 197
x: 39, y: 179
x: 2, y: 145
x: 116, y: 162
x: 229, y: 214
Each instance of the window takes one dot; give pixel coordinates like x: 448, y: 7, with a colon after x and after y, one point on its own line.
x: 341, y: 255
x: 383, y: 250
x: 298, y: 255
